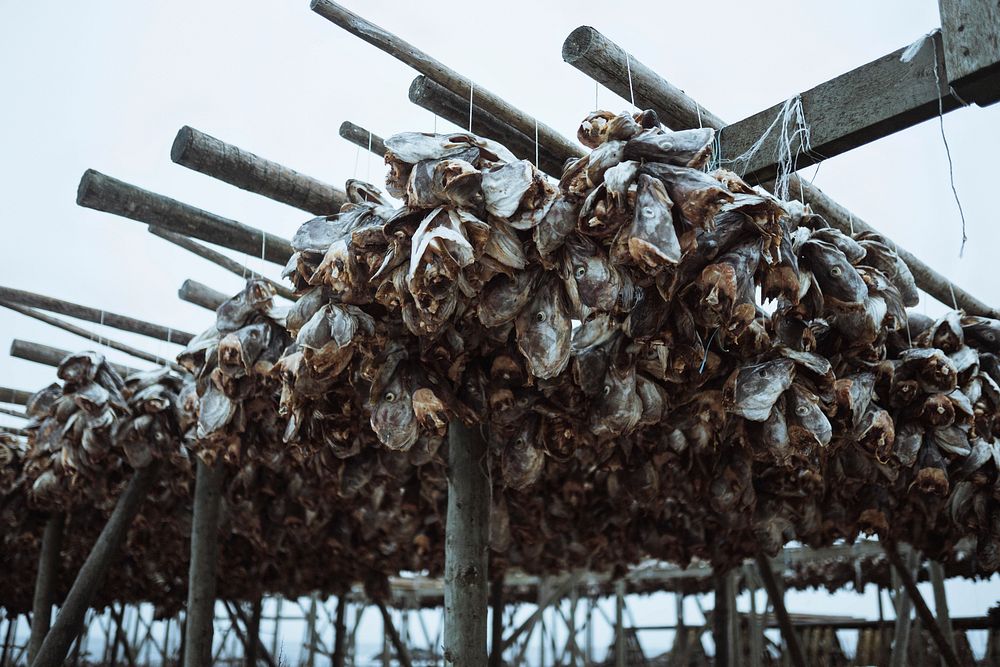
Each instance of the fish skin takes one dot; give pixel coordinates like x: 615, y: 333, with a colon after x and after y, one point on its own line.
x: 593, y: 278
x: 752, y: 390
x: 836, y: 276
x: 544, y: 330
x: 651, y: 238
x: 504, y: 297
x: 618, y: 408
x: 504, y: 187
x: 697, y: 195
x: 558, y: 223
x: 392, y: 415
x: 521, y: 462
x: 684, y: 148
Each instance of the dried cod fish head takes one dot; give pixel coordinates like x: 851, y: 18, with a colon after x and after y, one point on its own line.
x: 239, y: 351
x: 602, y: 126
x: 697, y: 195
x: 521, y: 462
x: 752, y: 390
x: 983, y: 332
x: 544, y: 329
x: 589, y: 275
x: 685, y: 148
x: 618, y: 408
x: 833, y: 271
x: 392, y: 411
x: 79, y: 368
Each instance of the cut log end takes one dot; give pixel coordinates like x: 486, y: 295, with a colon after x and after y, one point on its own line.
x: 182, y: 143
x: 88, y: 182
x: 578, y: 43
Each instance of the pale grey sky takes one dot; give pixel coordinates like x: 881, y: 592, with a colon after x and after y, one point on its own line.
x: 107, y: 84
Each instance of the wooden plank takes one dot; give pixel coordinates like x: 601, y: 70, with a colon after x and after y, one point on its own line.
x: 440, y: 73
x: 875, y: 100
x: 91, y: 576
x: 219, y: 259
x: 14, y: 396
x: 200, y: 294
x: 104, y: 193
x: 53, y: 356
x: 202, y: 152
x: 362, y: 138
x: 95, y: 315
x: 600, y: 58
x: 972, y: 48
x: 466, y: 547
x: 45, y: 582
x: 204, y: 556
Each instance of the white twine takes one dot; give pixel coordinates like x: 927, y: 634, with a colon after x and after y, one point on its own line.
x: 368, y: 174
x: 435, y: 123
x: 698, y: 109
x: 472, y: 90
x: 596, y: 88
x: 791, y: 112
x: 947, y: 150
x: 536, y: 144
x: 954, y: 302
x: 357, y: 159
x: 628, y: 66
x: 263, y: 245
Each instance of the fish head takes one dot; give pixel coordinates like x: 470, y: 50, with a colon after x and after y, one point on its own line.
x: 597, y: 282
x: 833, y: 272
x: 543, y: 330
x: 392, y: 414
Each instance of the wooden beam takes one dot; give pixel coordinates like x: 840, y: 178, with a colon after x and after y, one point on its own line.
x: 91, y: 577
x: 903, y: 625
x: 603, y: 60
x: 722, y: 625
x: 440, y: 73
x: 620, y: 648
x: 14, y: 396
x: 252, y: 640
x: 219, y: 259
x: 104, y: 193
x: 362, y: 138
x: 200, y: 294
x: 45, y: 582
x: 95, y: 315
x: 439, y: 100
x: 204, y: 557
x: 972, y: 48
x: 466, y: 547
x: 91, y: 336
x: 202, y: 152
x: 14, y: 413
x: 777, y: 597
x: 53, y: 356
x: 402, y: 653
x: 941, y: 603
x: 236, y: 615
x: 945, y: 649
x: 340, y: 632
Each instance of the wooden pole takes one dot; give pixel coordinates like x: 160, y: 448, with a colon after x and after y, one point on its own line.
x: 90, y: 335
x: 941, y: 604
x: 605, y: 62
x: 200, y: 294
x: 496, y: 604
x: 247, y: 171
x: 442, y: 102
x: 53, y: 356
x: 91, y: 576
x: 14, y: 396
x: 45, y: 582
x: 438, y: 72
x: 253, y: 633
x: 104, y: 193
x: 276, y: 638
x: 776, y: 595
x: 204, y: 554
x: 95, y: 315
x: 340, y: 630
x: 722, y: 627
x: 466, y: 547
x: 906, y: 578
x: 121, y: 635
x: 756, y: 637
x: 362, y: 138
x: 219, y: 259
x: 8, y: 639
x: 402, y: 653
x: 620, y: 624
x: 901, y: 633
x: 14, y: 413
x: 236, y: 615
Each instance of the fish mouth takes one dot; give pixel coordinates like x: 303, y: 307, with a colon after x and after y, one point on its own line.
x: 648, y: 254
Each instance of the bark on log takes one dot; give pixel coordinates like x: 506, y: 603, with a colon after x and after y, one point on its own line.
x: 777, y: 598
x: 53, y: 356
x: 466, y: 548
x: 248, y: 171
x: 91, y: 576
x: 362, y: 138
x: 95, y: 315
x: 439, y: 100
x: 104, y: 193
x: 45, y: 582
x: 604, y: 61
x: 200, y: 294
x: 438, y: 72
x: 219, y: 259
x: 91, y: 336
x: 14, y: 396
x: 201, y: 573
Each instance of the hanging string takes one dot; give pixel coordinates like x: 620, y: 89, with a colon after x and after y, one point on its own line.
x: 357, y: 158
x: 947, y: 150
x: 698, y: 109
x: 790, y: 114
x: 628, y: 66
x: 954, y: 301
x: 435, y: 123
x: 368, y: 174
x: 536, y: 144
x: 472, y: 90
x: 597, y: 87
x: 263, y: 245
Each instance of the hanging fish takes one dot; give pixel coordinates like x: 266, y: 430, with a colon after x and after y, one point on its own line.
x: 544, y: 330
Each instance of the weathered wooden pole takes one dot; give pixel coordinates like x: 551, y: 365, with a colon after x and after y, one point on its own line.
x: 362, y: 138
x: 311, y: 632
x: 496, y: 634
x: 201, y: 573
x: 104, y: 193
x: 945, y: 648
x: 236, y: 616
x: 402, y: 652
x: 15, y: 396
x: 776, y: 595
x: 219, y: 259
x: 340, y: 629
x: 121, y: 636
x: 95, y: 315
x: 941, y: 603
x: 620, y: 653
x: 722, y: 626
x: 609, y: 64
x: 200, y: 294
x: 438, y: 72
x: 45, y: 582
x: 466, y: 548
x: 754, y: 627
x: 247, y: 171
x: 253, y: 632
x: 91, y: 576
x: 90, y: 335
x: 900, y: 649
x: 277, y: 626
x: 53, y: 356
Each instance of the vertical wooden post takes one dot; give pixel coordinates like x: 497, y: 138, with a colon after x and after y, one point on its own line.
x: 620, y: 623
x: 754, y: 627
x: 722, y: 627
x: 571, y: 645
x: 901, y: 633
x: 340, y: 628
x: 776, y: 595
x: 402, y: 653
x: 277, y: 628
x: 201, y: 573
x: 466, y: 547
x: 311, y: 632
x: 680, y: 634
x: 253, y: 632
x: 588, y: 654
x: 48, y: 570
x: 941, y: 604
x: 908, y: 580
x: 57, y: 642
x: 496, y: 642
x: 8, y: 639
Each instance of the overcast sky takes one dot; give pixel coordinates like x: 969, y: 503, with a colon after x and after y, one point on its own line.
x: 107, y: 84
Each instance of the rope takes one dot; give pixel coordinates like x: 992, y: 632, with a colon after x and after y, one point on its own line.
x: 628, y: 66
x: 472, y: 91
x: 596, y: 88
x: 263, y: 245
x: 947, y: 150
x: 368, y: 174
x: 791, y: 112
x: 536, y: 144
x: 357, y: 159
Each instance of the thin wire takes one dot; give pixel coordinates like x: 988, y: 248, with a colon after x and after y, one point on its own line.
x: 947, y: 152
x: 472, y: 90
x: 368, y: 175
x: 536, y: 143
x: 954, y: 302
x: 357, y: 159
x: 698, y: 108
x: 435, y: 123
x: 628, y: 66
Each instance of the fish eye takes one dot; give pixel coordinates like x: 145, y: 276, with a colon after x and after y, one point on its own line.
x: 540, y: 316
x: 607, y: 389
x: 989, y: 336
x: 519, y: 442
x: 836, y: 271
x: 581, y: 271
x: 647, y: 211
x: 802, y: 410
x: 389, y: 397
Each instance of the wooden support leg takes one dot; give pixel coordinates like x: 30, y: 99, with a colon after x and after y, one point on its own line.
x: 722, y: 626
x: 8, y: 639
x: 620, y: 624
x: 48, y: 570
x: 402, y: 653
x: 901, y: 633
x: 941, y: 604
x: 776, y: 595
x: 236, y: 615
x: 340, y: 630
x: 91, y: 576
x: 253, y: 633
x: 496, y: 642
x: 121, y: 635
x: 311, y: 632
x: 466, y: 548
x: 201, y: 574
x: 755, y: 628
